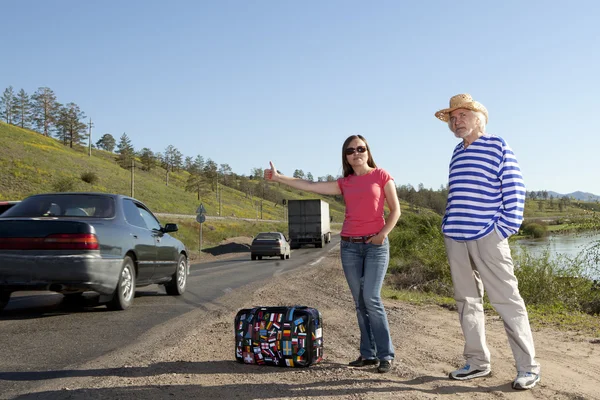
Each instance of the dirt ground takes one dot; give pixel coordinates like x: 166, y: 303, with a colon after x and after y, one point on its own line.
x: 193, y: 356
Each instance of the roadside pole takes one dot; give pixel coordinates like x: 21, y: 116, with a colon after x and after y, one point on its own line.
x: 200, y: 218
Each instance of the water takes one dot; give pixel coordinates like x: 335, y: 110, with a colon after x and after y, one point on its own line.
x: 569, y: 246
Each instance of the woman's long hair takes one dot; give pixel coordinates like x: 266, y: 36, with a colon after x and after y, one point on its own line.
x: 346, y: 165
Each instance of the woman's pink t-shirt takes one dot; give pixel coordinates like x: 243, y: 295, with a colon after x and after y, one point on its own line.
x: 365, y: 198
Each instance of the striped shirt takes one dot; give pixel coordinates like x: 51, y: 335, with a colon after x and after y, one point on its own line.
x: 485, y: 190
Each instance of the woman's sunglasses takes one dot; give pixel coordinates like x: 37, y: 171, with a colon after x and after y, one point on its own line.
x: 352, y: 150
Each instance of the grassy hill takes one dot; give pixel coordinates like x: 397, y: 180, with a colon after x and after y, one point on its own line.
x: 32, y: 163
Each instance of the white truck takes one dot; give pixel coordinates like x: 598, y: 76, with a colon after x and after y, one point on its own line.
x: 308, y: 222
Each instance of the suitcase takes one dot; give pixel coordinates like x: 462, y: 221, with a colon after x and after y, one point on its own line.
x: 280, y: 336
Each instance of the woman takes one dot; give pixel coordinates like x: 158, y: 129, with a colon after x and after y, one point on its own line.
x: 365, y: 246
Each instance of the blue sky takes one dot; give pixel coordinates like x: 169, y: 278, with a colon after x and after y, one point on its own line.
x: 245, y: 82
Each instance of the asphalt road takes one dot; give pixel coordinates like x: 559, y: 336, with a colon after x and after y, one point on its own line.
x: 42, y: 337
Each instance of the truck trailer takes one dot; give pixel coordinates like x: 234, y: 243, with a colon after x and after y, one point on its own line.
x: 308, y: 223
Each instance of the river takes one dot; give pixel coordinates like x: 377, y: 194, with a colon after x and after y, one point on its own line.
x: 567, y: 245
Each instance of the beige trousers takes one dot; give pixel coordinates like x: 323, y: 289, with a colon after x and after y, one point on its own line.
x: 487, y: 262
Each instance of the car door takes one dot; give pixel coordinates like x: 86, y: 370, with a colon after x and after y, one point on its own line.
x: 144, y: 240
x: 166, y: 253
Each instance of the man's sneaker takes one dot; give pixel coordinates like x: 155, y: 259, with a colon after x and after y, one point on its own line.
x: 468, y: 372
x: 525, y: 380
x: 385, y: 366
x: 363, y: 362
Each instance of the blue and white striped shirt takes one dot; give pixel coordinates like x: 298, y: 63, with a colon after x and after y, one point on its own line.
x: 485, y: 190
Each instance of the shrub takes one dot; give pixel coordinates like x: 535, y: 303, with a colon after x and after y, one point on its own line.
x: 419, y: 255
x: 559, y: 281
x: 89, y: 177
x: 64, y: 184
x: 534, y: 229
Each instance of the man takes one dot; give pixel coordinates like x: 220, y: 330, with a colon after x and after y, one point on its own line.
x: 485, y: 203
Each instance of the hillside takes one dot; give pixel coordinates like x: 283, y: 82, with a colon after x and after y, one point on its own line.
x: 32, y: 163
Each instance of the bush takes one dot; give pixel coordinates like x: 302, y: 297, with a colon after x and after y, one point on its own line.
x: 534, y: 229
x: 64, y: 185
x: 560, y: 281
x: 419, y: 256
x: 89, y: 177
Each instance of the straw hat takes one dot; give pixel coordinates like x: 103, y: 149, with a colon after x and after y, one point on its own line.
x: 462, y: 101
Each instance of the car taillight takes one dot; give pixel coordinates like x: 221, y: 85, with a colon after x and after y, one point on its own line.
x: 60, y: 241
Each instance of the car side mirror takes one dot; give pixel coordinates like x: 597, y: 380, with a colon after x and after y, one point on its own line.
x: 170, y: 228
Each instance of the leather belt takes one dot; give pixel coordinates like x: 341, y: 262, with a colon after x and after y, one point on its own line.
x: 357, y: 239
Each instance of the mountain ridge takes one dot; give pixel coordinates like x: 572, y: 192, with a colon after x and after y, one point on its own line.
x: 578, y: 195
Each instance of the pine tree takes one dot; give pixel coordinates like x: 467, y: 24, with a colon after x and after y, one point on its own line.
x: 70, y: 126
x: 7, y: 105
x: 125, y: 150
x: 196, y: 182
x: 45, y: 109
x: 22, y: 109
x: 148, y: 159
x: 107, y: 142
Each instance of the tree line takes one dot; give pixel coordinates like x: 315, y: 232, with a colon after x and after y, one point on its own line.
x: 43, y: 113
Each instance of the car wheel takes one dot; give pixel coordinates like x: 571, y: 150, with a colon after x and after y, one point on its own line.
x: 260, y: 257
x: 253, y: 257
x: 125, y: 291
x: 179, y: 279
x: 4, y: 299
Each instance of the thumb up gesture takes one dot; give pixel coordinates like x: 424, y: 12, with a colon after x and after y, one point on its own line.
x: 271, y: 173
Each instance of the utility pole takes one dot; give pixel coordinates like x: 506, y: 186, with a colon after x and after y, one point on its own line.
x: 261, y: 200
x: 219, y: 192
x: 90, y: 138
x: 132, y: 176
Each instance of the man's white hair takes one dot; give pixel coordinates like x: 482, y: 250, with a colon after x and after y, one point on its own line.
x: 481, y: 120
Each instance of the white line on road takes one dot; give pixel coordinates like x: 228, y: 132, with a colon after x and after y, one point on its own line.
x: 318, y: 261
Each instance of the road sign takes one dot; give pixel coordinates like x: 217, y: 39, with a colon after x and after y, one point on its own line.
x: 201, y: 218
x: 201, y: 209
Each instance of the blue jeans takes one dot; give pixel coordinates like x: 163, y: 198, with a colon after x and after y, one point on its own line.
x: 365, y: 266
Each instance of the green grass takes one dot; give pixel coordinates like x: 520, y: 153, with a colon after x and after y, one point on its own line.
x: 565, y: 320
x: 32, y: 163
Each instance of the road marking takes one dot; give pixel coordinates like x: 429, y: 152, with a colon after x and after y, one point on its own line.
x: 278, y: 272
x: 316, y: 262
x: 228, y: 290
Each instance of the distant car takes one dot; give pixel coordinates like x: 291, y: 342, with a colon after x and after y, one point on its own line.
x: 270, y: 244
x: 5, y: 205
x: 71, y: 243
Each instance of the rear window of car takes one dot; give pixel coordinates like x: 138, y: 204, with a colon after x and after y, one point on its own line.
x: 5, y: 205
x: 268, y: 236
x: 66, y: 205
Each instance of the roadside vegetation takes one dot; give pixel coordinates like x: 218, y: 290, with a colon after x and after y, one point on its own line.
x: 560, y: 293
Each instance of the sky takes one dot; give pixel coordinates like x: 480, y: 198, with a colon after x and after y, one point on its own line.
x: 245, y: 82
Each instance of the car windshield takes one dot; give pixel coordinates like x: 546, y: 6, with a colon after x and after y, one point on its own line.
x: 268, y: 236
x: 64, y: 205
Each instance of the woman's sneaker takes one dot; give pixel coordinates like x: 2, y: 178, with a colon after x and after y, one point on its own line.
x: 525, y: 380
x: 468, y: 372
